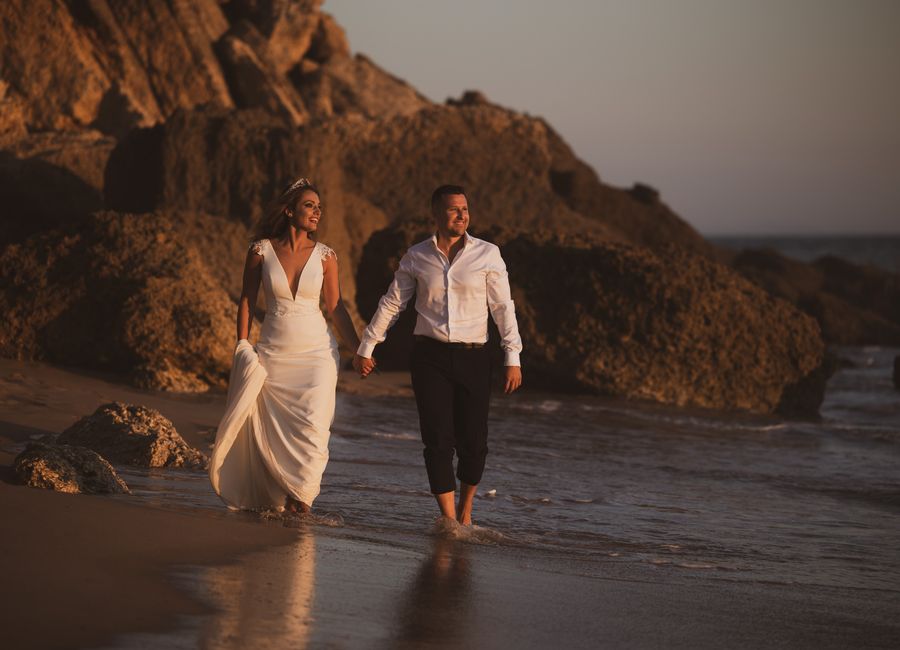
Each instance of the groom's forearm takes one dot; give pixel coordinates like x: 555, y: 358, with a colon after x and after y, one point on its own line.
x: 394, y: 300
x: 389, y: 308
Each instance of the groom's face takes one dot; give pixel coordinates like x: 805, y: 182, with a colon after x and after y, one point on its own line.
x: 451, y: 215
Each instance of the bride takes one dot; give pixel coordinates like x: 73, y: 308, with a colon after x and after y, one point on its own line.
x: 272, y: 443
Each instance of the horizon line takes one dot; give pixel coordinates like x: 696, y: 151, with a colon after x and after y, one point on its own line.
x: 819, y: 235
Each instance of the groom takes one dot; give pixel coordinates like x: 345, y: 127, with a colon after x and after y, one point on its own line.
x: 457, y: 280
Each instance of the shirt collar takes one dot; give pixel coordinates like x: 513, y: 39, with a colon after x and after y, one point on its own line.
x: 466, y: 236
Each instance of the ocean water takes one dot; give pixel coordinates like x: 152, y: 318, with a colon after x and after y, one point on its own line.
x: 882, y: 251
x: 601, y: 483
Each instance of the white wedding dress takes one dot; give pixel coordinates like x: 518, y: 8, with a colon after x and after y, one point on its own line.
x: 273, y: 439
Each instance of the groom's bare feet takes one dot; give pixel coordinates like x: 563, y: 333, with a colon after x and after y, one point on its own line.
x: 464, y: 509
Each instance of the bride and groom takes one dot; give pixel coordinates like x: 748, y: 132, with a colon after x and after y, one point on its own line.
x: 272, y: 443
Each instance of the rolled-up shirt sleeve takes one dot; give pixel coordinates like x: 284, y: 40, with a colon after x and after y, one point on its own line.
x: 503, y: 311
x: 391, y: 304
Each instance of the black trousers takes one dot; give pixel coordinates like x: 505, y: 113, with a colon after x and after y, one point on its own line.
x: 453, y: 390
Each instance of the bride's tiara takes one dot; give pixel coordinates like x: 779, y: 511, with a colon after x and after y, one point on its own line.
x: 298, y: 184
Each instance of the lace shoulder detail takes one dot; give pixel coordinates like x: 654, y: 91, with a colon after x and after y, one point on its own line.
x: 257, y: 247
x: 326, y: 252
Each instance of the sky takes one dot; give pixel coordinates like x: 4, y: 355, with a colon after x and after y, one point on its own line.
x: 750, y: 116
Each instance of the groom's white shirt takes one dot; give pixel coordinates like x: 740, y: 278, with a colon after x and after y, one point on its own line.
x: 452, y: 299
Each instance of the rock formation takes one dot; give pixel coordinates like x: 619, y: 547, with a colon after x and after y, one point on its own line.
x: 140, y: 141
x: 133, y: 435
x: 67, y: 468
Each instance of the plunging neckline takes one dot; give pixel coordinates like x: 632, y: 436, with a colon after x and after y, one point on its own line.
x: 284, y: 272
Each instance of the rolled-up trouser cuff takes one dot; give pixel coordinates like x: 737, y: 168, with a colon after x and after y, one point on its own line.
x: 439, y: 465
x: 470, y: 467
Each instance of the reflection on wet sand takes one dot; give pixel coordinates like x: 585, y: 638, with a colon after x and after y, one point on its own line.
x: 263, y: 601
x: 435, y: 606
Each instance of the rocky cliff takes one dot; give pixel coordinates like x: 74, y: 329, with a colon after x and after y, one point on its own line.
x: 141, y: 138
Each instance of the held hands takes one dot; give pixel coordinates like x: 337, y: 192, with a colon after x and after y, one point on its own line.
x: 513, y: 379
x: 363, y: 366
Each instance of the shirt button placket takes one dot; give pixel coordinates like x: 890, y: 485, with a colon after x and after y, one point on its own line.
x: 449, y: 297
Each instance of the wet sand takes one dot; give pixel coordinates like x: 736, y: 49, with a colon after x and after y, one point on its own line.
x: 83, y: 571
x: 328, y: 591
x: 77, y: 569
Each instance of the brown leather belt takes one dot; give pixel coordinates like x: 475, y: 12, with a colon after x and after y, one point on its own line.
x: 467, y: 346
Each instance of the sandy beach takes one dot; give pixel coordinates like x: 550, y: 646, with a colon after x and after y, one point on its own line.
x: 128, y: 571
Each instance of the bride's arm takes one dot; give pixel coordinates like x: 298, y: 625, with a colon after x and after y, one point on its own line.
x: 334, y: 304
x: 252, y: 277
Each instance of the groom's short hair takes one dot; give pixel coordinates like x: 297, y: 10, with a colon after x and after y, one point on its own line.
x: 446, y: 190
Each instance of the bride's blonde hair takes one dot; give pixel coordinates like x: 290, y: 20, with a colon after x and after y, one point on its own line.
x: 274, y: 221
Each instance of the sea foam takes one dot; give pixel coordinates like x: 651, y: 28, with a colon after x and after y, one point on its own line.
x: 447, y: 528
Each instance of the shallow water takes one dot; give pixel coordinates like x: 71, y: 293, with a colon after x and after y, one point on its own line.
x: 602, y: 481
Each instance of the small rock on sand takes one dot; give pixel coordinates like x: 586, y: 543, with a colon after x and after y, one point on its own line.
x: 67, y: 468
x: 133, y: 435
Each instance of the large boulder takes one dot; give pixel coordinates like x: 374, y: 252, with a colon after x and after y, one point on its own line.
x: 67, y: 468
x: 133, y: 435
x: 616, y: 319
x: 854, y: 304
x: 120, y: 292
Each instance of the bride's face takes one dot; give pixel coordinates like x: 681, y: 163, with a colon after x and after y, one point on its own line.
x: 307, y: 213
